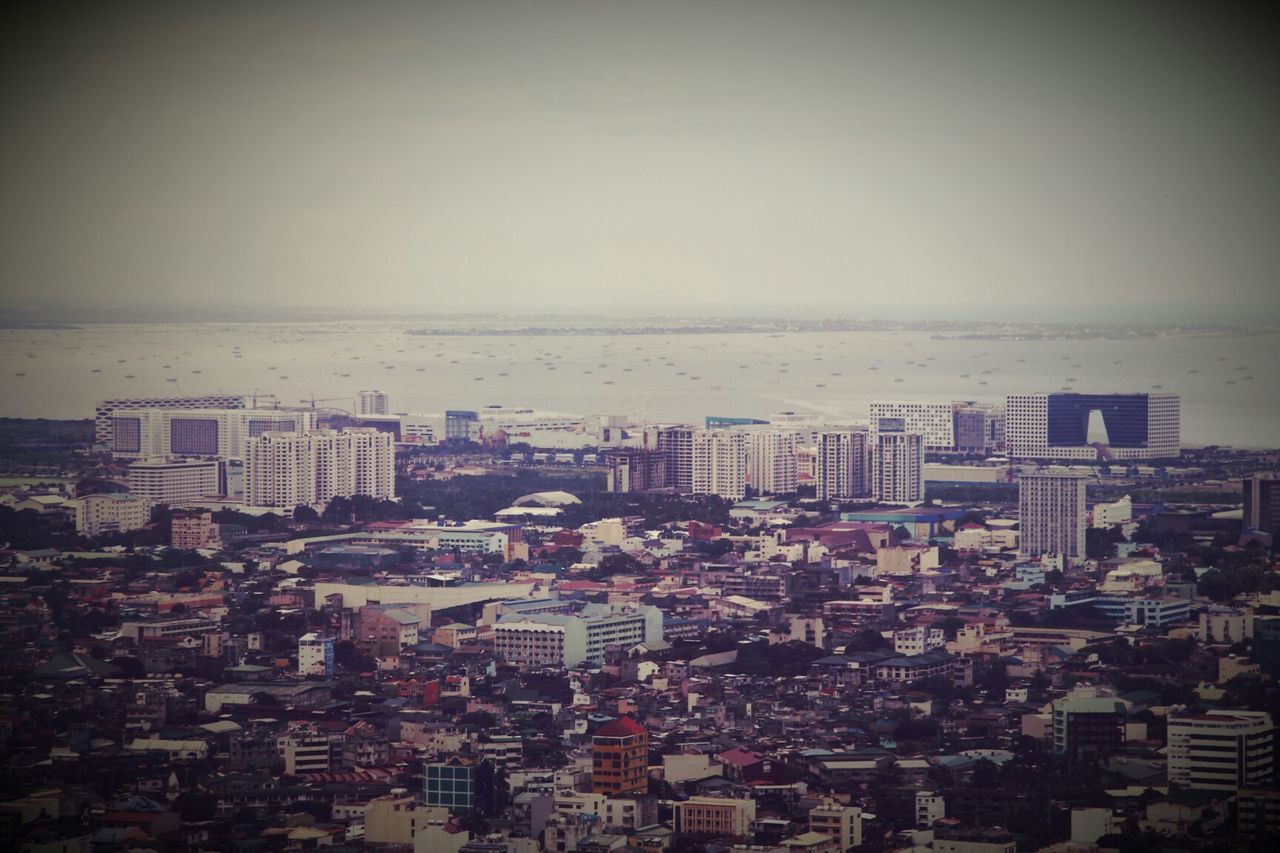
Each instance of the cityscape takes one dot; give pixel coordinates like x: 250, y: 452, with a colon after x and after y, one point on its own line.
x: 714, y: 426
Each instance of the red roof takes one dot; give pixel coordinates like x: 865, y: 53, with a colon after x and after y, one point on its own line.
x: 621, y: 727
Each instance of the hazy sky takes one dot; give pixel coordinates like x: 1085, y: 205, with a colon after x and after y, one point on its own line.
x: 843, y: 157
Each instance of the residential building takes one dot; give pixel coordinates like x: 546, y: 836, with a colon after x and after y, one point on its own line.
x: 372, y: 403
x: 897, y: 465
x: 838, y: 822
x: 1051, y: 514
x: 398, y: 819
x: 173, y: 481
x: 720, y: 463
x: 110, y: 512
x: 1222, y: 750
x: 315, y: 655
x: 632, y: 469
x: 842, y: 465
x: 193, y: 529
x: 306, y: 750
x: 719, y: 816
x: 620, y: 758
x: 1110, y: 514
x: 771, y: 461
x: 918, y: 639
x: 1091, y: 426
x: 677, y: 443
x: 387, y: 630
x: 311, y: 469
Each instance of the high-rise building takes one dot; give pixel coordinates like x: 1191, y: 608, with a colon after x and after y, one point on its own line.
x: 1052, y: 514
x: 107, y: 410
x: 677, y: 443
x: 720, y: 463
x: 1089, y: 426
x: 315, y: 655
x: 897, y: 464
x: 1262, y: 504
x: 935, y: 422
x: 979, y: 427
x: 202, y: 433
x: 1222, y: 750
x: 771, y: 461
x: 634, y: 469
x: 172, y: 481
x: 112, y: 512
x: 842, y: 465
x: 1085, y: 725
x: 372, y: 403
x: 288, y: 470
x: 620, y: 758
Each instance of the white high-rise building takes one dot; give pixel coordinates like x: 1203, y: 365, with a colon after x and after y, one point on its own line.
x: 1052, y: 514
x: 897, y: 467
x: 172, y: 481
x: 108, y: 410
x: 771, y: 461
x: 110, y: 512
x: 842, y: 465
x: 934, y: 421
x: 1221, y: 750
x: 372, y: 403
x: 1091, y: 426
x: 677, y: 443
x: 720, y: 463
x: 202, y: 433
x: 284, y: 470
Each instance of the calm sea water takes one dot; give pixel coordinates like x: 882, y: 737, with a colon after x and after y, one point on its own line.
x: 1229, y: 385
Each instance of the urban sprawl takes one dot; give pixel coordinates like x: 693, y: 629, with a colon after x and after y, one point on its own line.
x: 1035, y: 625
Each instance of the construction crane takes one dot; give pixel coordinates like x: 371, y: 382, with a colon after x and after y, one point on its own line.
x: 314, y: 399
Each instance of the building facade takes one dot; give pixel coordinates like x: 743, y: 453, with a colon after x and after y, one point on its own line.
x: 1222, y: 750
x: 1091, y: 426
x: 200, y: 433
x: 288, y: 470
x: 841, y: 468
x: 372, y: 403
x: 173, y: 481
x: 934, y: 421
x: 677, y: 443
x: 771, y: 461
x: 620, y: 758
x: 897, y: 466
x: 1052, y: 514
x: 633, y: 469
x: 558, y: 640
x: 720, y: 463
x: 315, y: 655
x: 110, y: 513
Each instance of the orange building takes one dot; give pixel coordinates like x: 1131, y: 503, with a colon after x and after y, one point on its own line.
x: 620, y: 758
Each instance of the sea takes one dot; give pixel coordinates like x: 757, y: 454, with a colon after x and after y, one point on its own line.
x: 1229, y: 384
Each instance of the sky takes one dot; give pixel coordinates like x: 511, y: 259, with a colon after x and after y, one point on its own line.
x: 1084, y: 160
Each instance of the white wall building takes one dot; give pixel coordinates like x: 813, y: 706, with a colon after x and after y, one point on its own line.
x: 372, y: 403
x: 173, y: 481
x: 315, y: 655
x: 202, y: 433
x: 897, y: 467
x: 1051, y: 514
x: 110, y: 513
x: 287, y: 470
x: 677, y: 443
x: 720, y: 463
x: 560, y: 640
x: 422, y: 429
x: 1221, y: 750
x: 771, y: 461
x: 1109, y: 515
x: 841, y: 468
x: 934, y: 421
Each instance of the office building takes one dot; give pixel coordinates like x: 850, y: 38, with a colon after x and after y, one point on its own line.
x: 719, y: 463
x: 677, y: 443
x: 203, y: 433
x: 558, y: 640
x: 771, y: 461
x: 631, y: 469
x: 979, y: 427
x: 1087, y: 726
x: 310, y: 469
x: 422, y: 429
x: 372, y: 403
x: 1093, y: 426
x: 897, y: 464
x: 620, y: 758
x: 719, y: 816
x: 108, y: 410
x: 1222, y: 750
x: 842, y: 465
x: 515, y: 423
x: 1262, y: 504
x: 112, y: 512
x: 315, y: 655
x: 1052, y: 514
x: 935, y: 422
x: 173, y: 481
